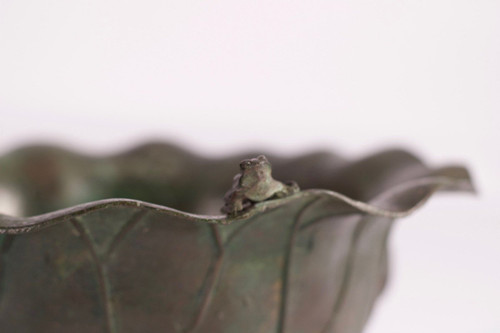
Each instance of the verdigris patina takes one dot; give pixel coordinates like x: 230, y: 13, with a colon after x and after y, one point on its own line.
x: 312, y: 261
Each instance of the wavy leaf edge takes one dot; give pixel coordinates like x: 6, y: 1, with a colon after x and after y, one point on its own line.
x: 425, y: 186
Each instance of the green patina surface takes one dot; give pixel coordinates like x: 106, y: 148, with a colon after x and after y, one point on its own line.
x: 308, y: 261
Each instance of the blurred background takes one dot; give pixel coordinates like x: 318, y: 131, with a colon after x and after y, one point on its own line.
x: 219, y: 77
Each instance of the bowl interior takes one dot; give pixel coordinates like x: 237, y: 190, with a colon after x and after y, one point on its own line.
x: 39, y: 179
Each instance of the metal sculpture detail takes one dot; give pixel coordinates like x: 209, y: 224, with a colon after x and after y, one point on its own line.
x: 254, y: 184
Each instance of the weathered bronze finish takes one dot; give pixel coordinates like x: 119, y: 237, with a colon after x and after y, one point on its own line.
x: 310, y: 261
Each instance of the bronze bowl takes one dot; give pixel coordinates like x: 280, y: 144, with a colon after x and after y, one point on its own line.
x: 314, y: 261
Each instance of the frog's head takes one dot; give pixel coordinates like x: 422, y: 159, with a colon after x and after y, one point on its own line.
x: 257, y: 168
x: 253, y: 163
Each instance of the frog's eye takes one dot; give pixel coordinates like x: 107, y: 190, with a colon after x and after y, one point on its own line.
x: 262, y: 158
x: 245, y: 164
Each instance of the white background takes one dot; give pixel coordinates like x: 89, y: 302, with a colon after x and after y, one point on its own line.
x: 353, y: 77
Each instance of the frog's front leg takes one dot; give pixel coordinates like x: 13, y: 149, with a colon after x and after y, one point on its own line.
x: 237, y: 205
x: 237, y: 202
x: 287, y: 188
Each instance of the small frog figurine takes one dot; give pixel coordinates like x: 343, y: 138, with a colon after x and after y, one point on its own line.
x: 253, y: 184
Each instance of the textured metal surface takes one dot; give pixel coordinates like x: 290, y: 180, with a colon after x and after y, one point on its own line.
x: 315, y: 261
